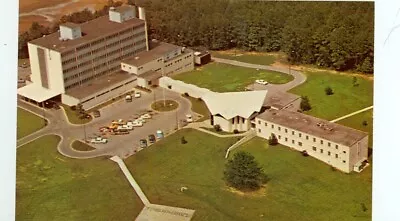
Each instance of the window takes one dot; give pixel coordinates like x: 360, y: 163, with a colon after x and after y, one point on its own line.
x: 344, y: 161
x: 292, y: 141
x: 329, y: 144
x: 329, y: 153
x: 336, y: 155
x: 259, y: 130
x: 306, y: 137
x: 279, y: 137
x: 272, y: 126
x: 344, y: 151
x: 322, y: 142
x: 259, y: 122
x: 279, y: 128
x: 322, y: 151
x: 292, y: 132
x: 314, y: 139
x: 314, y: 148
x: 300, y: 144
x: 286, y: 139
x: 299, y: 134
x: 285, y: 130
x: 337, y: 146
x: 265, y: 124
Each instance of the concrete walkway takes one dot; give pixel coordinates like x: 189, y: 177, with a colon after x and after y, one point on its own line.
x: 352, y: 114
x: 153, y: 212
x: 199, y: 125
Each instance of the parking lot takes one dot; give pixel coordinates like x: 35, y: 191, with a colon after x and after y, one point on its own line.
x: 125, y: 145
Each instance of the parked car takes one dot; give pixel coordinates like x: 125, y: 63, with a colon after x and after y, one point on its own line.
x: 143, y: 143
x: 140, y: 119
x: 128, y: 98
x: 115, y: 132
x: 137, y: 94
x: 259, y: 81
x: 98, y: 140
x: 145, y: 116
x: 96, y: 114
x: 152, y: 138
x: 159, y: 134
x: 189, y: 118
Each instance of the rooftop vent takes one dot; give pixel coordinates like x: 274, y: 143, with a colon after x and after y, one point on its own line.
x: 183, y: 49
x: 136, y: 58
x: 112, y: 8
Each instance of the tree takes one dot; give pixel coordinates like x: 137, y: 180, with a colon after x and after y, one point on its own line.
x: 355, y: 84
x: 305, y: 103
x: 364, y: 123
x: 366, y: 66
x: 183, y: 140
x: 328, y: 91
x: 243, y: 172
x: 217, y: 128
x: 273, y: 140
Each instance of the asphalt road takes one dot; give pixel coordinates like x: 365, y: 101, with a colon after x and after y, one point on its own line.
x: 121, y: 145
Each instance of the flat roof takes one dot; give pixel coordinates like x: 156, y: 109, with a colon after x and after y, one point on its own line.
x: 97, y: 84
x: 91, y: 30
x: 70, y: 25
x: 280, y: 99
x: 155, y: 51
x: 314, y: 126
x: 36, y: 92
x: 150, y: 75
x: 123, y: 8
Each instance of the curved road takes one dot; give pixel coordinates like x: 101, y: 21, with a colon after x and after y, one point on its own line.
x: 299, y: 77
x: 123, y: 145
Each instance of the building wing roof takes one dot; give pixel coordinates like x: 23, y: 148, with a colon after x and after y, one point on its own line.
x: 150, y: 75
x: 157, y: 50
x: 314, y: 126
x: 91, y: 30
x: 36, y: 92
x: 233, y: 104
x: 280, y: 99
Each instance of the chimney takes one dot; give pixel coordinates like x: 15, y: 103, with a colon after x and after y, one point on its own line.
x: 122, y: 13
x: 142, y: 13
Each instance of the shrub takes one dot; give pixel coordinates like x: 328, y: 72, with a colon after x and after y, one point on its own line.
x: 183, y: 140
x: 364, y: 123
x: 304, y: 153
x: 235, y: 131
x: 217, y: 128
x: 199, y: 99
x: 272, y: 140
x: 328, y: 91
x: 305, y: 104
x: 73, y: 107
x: 268, y: 107
x: 186, y: 94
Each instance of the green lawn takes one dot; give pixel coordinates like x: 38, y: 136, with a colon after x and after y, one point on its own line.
x: 259, y: 58
x: 356, y: 122
x: 220, y: 132
x: 73, y: 116
x: 199, y: 107
x: 53, y: 187
x: 80, y: 146
x: 27, y: 123
x: 300, y: 188
x: 162, y: 106
x: 346, y: 98
x: 220, y: 77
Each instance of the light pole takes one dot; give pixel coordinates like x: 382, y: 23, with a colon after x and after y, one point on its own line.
x: 84, y: 132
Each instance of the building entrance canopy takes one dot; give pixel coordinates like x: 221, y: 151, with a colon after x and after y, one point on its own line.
x: 36, y: 92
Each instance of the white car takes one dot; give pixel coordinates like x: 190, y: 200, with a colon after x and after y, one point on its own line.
x: 259, y: 81
x: 189, y: 118
x: 98, y: 140
x: 140, y: 119
x: 145, y: 116
x: 135, y: 123
x: 137, y: 94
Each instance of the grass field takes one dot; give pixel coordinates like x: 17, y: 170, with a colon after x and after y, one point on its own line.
x: 254, y: 58
x: 300, y: 188
x: 27, y: 123
x: 80, y: 146
x: 199, y: 107
x: 228, y: 78
x: 169, y: 105
x: 73, y: 116
x: 53, y: 187
x: 356, y: 122
x: 346, y: 98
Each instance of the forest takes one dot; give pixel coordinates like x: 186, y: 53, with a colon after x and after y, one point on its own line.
x: 337, y: 35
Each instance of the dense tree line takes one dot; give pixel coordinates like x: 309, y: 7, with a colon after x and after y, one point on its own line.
x: 337, y: 35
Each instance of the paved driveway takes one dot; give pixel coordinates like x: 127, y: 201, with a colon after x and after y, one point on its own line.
x: 122, y: 145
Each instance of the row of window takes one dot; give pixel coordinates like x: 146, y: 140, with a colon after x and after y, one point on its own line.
x: 299, y: 134
x: 328, y: 152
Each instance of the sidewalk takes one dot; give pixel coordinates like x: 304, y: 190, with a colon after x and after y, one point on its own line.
x: 351, y: 114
